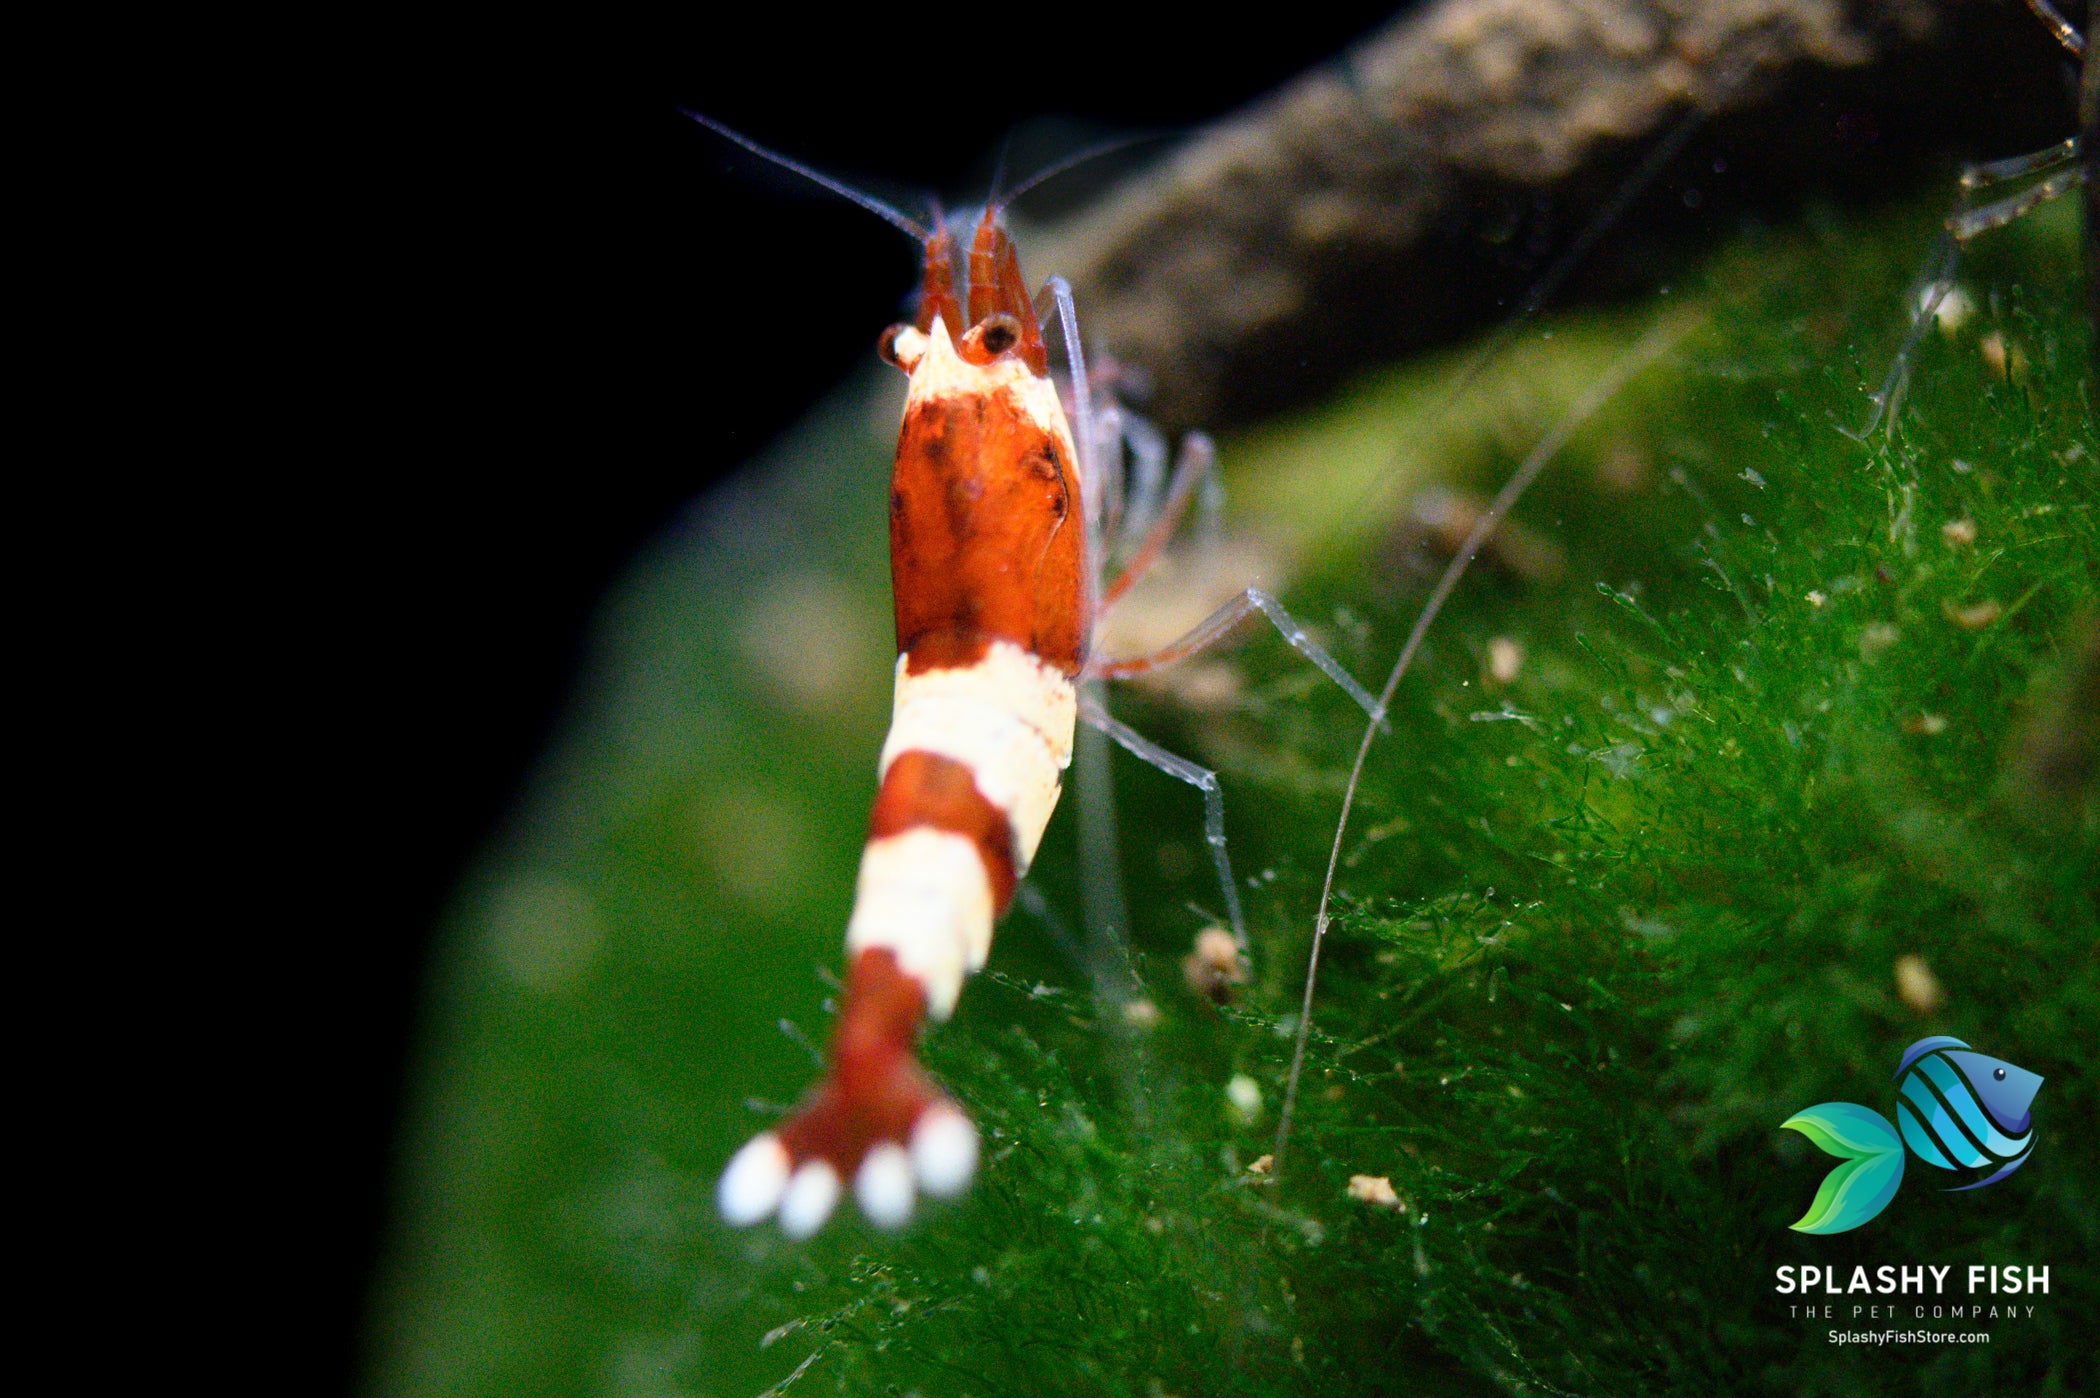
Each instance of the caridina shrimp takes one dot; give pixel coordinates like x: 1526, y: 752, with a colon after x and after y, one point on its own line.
x: 997, y: 520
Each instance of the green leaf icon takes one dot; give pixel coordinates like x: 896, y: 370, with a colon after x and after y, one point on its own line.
x: 1861, y: 1187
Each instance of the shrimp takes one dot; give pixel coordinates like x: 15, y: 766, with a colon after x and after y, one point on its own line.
x: 997, y: 511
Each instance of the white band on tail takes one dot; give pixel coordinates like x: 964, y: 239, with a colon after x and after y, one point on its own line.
x: 1008, y: 718
x: 924, y: 894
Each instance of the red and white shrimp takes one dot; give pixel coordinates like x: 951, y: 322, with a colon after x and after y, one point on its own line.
x: 995, y: 517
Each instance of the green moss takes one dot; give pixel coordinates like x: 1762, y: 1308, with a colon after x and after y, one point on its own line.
x: 1600, y: 929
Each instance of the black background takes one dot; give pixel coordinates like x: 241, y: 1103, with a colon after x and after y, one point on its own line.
x: 531, y: 312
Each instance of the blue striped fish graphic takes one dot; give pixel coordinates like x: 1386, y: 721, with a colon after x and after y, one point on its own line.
x: 1955, y: 1108
x: 1959, y: 1110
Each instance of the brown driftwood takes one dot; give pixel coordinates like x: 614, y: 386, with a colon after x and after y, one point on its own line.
x: 1416, y: 187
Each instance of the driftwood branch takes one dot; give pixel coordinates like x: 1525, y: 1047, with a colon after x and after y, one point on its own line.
x: 1415, y: 188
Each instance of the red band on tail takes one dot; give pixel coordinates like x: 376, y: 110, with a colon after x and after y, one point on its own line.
x: 875, y: 1091
x: 926, y: 789
x: 875, y: 1122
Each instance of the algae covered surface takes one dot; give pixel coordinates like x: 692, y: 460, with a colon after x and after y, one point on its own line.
x: 1758, y: 761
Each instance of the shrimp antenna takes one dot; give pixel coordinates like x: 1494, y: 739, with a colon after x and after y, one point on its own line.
x: 839, y: 187
x: 1056, y: 168
x: 1006, y: 146
x: 1664, y: 334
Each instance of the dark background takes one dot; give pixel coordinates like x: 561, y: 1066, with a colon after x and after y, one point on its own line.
x: 550, y: 312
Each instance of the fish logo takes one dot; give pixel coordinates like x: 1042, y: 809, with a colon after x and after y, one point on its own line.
x: 1956, y: 1109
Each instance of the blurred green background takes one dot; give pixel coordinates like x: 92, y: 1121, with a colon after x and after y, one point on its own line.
x: 1603, y: 922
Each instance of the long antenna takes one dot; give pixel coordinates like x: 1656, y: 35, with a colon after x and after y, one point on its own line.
x: 1006, y: 145
x: 843, y: 190
x: 1665, y: 333
x: 1058, y: 167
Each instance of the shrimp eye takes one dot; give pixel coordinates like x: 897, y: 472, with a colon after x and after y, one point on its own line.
x: 998, y: 333
x: 1999, y: 1074
x: 903, y: 346
x: 886, y: 346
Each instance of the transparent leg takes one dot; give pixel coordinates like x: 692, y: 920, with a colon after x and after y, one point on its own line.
x: 1148, y: 476
x: 1962, y: 225
x: 1202, y: 778
x: 1195, y: 467
x: 1213, y: 627
x: 1970, y: 222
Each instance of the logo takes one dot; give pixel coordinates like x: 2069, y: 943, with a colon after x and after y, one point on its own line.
x: 1957, y: 1110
